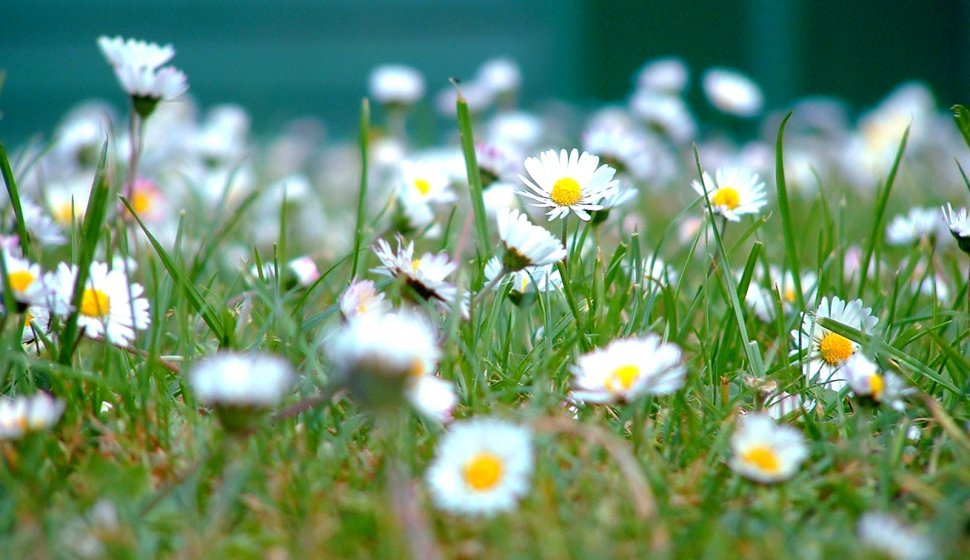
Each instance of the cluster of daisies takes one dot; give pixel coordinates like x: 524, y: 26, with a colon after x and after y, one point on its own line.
x: 384, y: 348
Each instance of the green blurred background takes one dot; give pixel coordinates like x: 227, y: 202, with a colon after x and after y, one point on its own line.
x: 293, y: 58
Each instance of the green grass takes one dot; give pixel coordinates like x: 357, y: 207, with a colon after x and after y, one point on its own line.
x: 644, y: 479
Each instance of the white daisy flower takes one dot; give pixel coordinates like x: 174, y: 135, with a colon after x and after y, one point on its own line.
x: 732, y: 92
x: 627, y: 369
x: 40, y: 225
x: 25, y: 278
x: 826, y: 350
x: 736, y: 192
x: 234, y: 379
x: 664, y: 113
x: 132, y: 53
x: 626, y: 149
x: 106, y: 303
x: 361, y: 297
x: 568, y: 181
x: 151, y: 85
x: 915, y: 225
x: 762, y: 300
x: 865, y: 380
x: 148, y: 201
x: 22, y: 415
x: 393, y: 84
x: 526, y: 244
x: 425, y: 274
x: 885, y: 534
x: 393, y: 344
x: 666, y: 75
x: 425, y: 182
x: 495, y: 164
x: 482, y: 467
x: 433, y: 397
x: 766, y: 452
x: 529, y: 281
x: 959, y: 224
x: 500, y: 196
x: 501, y: 76
x: 40, y: 317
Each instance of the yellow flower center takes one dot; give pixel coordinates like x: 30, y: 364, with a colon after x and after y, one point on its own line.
x: 142, y: 201
x: 762, y: 457
x: 727, y: 197
x: 423, y: 186
x: 622, y: 378
x: 95, y: 303
x: 415, y: 264
x: 66, y: 212
x: 21, y: 280
x: 835, y: 348
x: 417, y: 368
x: 566, y: 192
x: 789, y: 295
x: 483, y: 472
x: 877, y: 385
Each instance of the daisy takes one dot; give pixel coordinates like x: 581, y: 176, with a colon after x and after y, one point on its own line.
x: 433, y: 397
x: 736, y: 192
x: 425, y: 274
x: 627, y: 369
x: 138, y: 67
x: 828, y: 351
x: 481, y: 467
x: 396, y: 85
x: 626, y: 149
x: 25, y: 278
x: 21, y: 415
x: 425, y: 182
x: 732, y: 92
x: 495, y: 164
x: 664, y: 113
x: 959, y: 224
x: 665, y: 75
x: 526, y: 244
x: 38, y: 317
x: 148, y: 201
x: 133, y: 53
x: 917, y: 224
x: 378, y: 355
x: 568, y: 181
x: 233, y: 379
x: 865, y: 380
x: 40, y: 225
x: 501, y: 76
x: 782, y: 404
x: 361, y: 297
x: 107, y: 302
x: 766, y: 452
x: 883, y: 533
x: 762, y: 300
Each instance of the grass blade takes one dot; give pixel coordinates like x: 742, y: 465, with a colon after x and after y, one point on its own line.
x: 18, y: 211
x: 474, y: 177
x: 786, y: 224
x: 362, y: 196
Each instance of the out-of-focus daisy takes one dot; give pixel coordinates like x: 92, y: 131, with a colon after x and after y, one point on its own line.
x: 526, y: 244
x: 25, y: 278
x: 959, y: 224
x: 627, y: 369
x: 762, y: 300
x: 732, y: 92
x: 917, y: 224
x: 68, y: 200
x: 519, y: 130
x: 665, y: 114
x: 432, y: 397
x: 148, y: 201
x: 107, y: 302
x: 138, y: 67
x: 425, y: 182
x: 865, y: 380
x: 40, y: 225
x: 766, y: 452
x: 735, y: 192
x: 502, y: 77
x: 361, y: 297
x: 378, y: 355
x: 241, y: 380
x: 396, y: 85
x: 885, y: 534
x: 828, y: 351
x: 22, y: 415
x: 525, y: 284
x: 425, y: 274
x: 627, y: 150
x: 568, y: 181
x: 666, y: 75
x: 37, y: 317
x: 481, y: 467
x: 495, y: 164
x: 500, y: 196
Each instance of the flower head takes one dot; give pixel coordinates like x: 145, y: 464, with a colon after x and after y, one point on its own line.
x: 627, y: 369
x: 567, y: 181
x: 866, y: 380
x: 959, y: 224
x: 917, y: 224
x: 22, y: 414
x: 481, y: 467
x: 526, y: 244
x: 766, y: 452
x: 884, y: 533
x: 138, y: 67
x: 109, y: 307
x: 25, y: 278
x: 425, y: 274
x: 829, y: 351
x: 399, y: 85
x: 133, y: 53
x: 241, y: 380
x: 736, y: 192
x: 361, y: 297
x: 732, y: 92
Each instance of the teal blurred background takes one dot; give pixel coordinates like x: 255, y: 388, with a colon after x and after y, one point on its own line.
x: 293, y: 58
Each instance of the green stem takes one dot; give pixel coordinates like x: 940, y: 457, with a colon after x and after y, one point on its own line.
x: 362, y: 197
